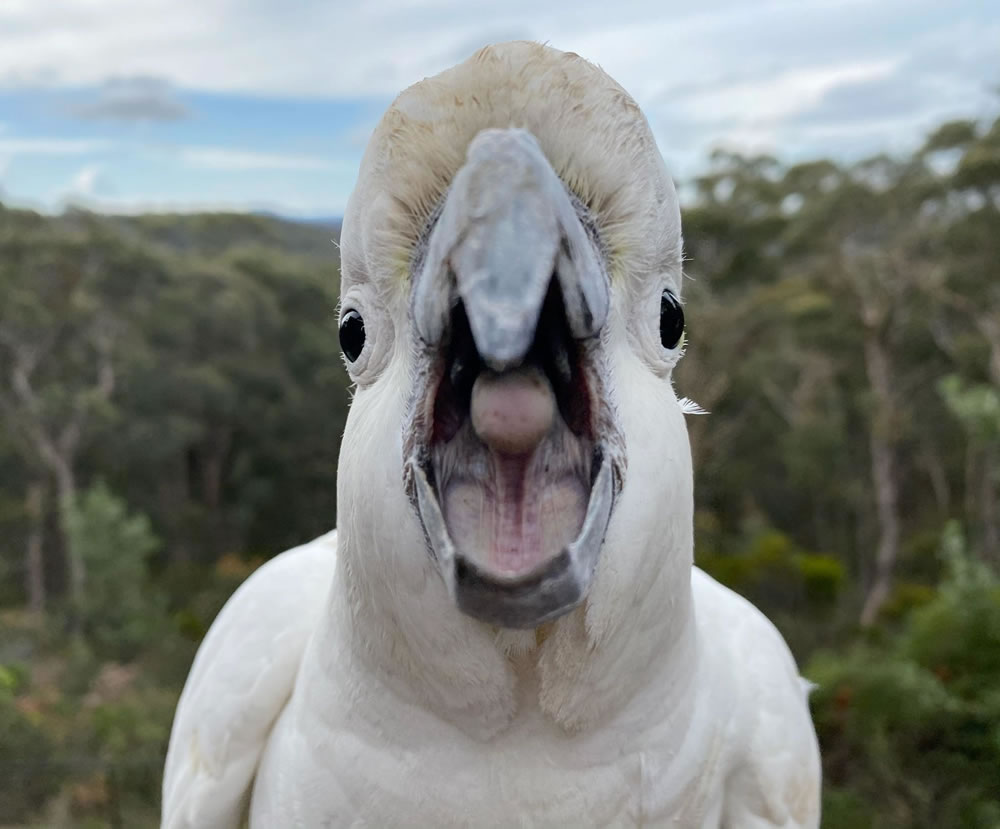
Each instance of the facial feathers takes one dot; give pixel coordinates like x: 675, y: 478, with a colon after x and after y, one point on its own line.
x: 590, y: 129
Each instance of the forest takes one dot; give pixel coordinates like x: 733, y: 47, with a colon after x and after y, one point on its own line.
x: 172, y: 399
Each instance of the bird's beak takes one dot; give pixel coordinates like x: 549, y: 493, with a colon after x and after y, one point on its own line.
x: 508, y: 225
x: 514, y: 457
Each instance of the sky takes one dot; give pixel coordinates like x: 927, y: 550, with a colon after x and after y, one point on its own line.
x: 123, y: 106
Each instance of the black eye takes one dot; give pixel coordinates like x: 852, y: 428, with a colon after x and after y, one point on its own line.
x: 352, y: 335
x: 671, y: 320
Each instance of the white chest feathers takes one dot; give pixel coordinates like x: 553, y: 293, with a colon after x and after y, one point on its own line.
x: 344, y: 769
x: 720, y: 739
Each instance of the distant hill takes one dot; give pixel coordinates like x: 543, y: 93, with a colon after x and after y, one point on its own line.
x: 332, y: 223
x: 204, y: 233
x: 212, y: 233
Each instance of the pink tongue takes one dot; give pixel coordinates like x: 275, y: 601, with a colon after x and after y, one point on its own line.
x: 513, y: 411
x: 519, y: 512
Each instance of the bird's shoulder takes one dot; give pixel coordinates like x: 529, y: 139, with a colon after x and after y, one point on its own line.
x: 775, y: 776
x: 241, y: 678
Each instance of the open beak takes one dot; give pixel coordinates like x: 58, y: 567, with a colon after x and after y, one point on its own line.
x: 513, y: 453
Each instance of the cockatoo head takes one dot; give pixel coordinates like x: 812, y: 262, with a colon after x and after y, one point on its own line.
x: 510, y: 314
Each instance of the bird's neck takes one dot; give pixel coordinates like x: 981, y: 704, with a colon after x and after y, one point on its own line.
x: 586, y: 666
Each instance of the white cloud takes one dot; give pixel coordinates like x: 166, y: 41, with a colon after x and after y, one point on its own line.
x: 221, y: 158
x: 52, y: 146
x: 134, y: 99
x: 838, y: 77
x: 5, y: 157
x: 754, y: 115
x: 748, y: 66
x: 134, y: 206
x: 87, y: 188
x: 773, y: 99
x: 339, y: 49
x: 85, y: 182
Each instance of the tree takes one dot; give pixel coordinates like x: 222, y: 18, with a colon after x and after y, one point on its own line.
x: 61, y: 301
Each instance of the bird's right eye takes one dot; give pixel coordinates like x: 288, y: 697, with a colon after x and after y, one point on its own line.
x: 352, y: 335
x: 671, y: 320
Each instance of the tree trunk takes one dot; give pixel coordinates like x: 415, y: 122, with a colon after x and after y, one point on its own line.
x: 938, y: 477
x: 66, y: 487
x: 988, y: 507
x: 34, y: 558
x: 969, y: 484
x: 883, y: 470
x: 58, y: 450
x: 213, y: 467
x: 990, y: 329
x: 173, y: 495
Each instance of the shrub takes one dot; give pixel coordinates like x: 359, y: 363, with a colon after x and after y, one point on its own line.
x: 120, y: 609
x: 28, y: 776
x: 912, y: 726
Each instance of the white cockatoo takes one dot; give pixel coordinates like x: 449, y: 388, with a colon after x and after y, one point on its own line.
x: 506, y: 629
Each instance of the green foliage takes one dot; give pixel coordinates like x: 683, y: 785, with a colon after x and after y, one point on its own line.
x: 121, y: 611
x: 905, y: 597
x: 28, y: 774
x: 950, y: 135
x: 957, y: 636
x: 13, y: 678
x: 977, y: 406
x: 822, y: 577
x: 773, y: 564
x: 911, y: 727
x: 129, y: 736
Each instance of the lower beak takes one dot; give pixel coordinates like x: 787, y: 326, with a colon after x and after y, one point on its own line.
x: 549, y: 591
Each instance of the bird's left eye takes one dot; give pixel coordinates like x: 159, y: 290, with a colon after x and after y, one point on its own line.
x: 352, y: 335
x: 671, y: 320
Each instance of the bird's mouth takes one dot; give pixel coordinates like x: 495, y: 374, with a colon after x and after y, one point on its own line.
x: 515, y: 510
x: 513, y: 455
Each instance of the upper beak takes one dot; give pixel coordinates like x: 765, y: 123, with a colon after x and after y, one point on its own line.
x: 507, y: 228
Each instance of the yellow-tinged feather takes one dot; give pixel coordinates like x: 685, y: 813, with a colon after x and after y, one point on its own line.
x: 593, y: 133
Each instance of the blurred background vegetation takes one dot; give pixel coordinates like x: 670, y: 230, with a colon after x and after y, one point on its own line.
x: 173, y: 398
